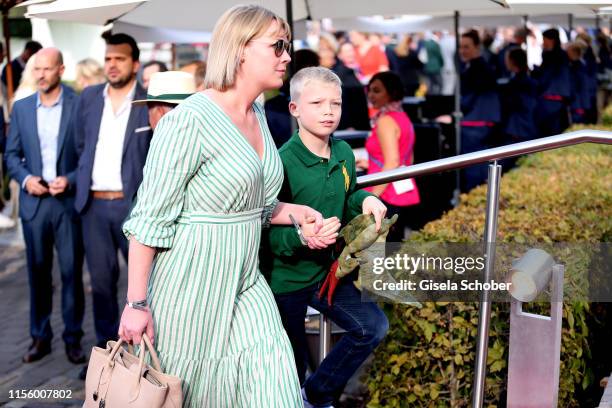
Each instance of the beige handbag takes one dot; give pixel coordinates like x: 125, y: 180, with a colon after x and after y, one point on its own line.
x: 116, y: 378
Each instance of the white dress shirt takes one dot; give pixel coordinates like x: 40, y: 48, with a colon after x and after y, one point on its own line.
x: 106, y: 174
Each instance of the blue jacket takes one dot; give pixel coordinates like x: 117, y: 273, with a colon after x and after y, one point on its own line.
x: 553, y: 75
x: 519, y: 101
x: 479, y: 99
x: 135, y: 145
x: 23, y: 155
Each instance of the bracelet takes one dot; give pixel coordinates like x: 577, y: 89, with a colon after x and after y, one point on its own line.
x: 298, y: 230
x: 138, y: 305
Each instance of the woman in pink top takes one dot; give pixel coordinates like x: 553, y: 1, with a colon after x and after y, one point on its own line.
x: 390, y: 146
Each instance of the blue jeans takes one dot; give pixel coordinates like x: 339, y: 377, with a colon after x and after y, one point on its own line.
x: 365, y: 325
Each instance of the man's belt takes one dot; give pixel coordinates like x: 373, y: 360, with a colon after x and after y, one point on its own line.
x: 107, y: 195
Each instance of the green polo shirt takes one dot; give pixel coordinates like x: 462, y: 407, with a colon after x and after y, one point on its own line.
x: 328, y: 186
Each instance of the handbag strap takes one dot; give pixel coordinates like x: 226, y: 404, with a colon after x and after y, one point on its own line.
x: 152, y: 352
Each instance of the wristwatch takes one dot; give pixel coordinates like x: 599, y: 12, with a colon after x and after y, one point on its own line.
x: 298, y: 230
x: 138, y: 305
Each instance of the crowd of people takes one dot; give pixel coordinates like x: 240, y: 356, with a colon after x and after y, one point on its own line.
x: 505, y: 97
x: 181, y: 175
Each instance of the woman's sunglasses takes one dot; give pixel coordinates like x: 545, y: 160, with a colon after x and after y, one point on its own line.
x: 279, y: 46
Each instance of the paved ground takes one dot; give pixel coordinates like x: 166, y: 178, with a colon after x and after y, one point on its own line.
x: 54, y: 372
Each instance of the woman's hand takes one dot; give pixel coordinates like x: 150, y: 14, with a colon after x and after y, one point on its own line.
x: 325, y: 237
x: 310, y: 215
x: 330, y: 227
x: 372, y: 205
x: 134, y: 323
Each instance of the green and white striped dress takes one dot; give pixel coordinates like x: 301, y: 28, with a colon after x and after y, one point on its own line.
x: 202, y: 201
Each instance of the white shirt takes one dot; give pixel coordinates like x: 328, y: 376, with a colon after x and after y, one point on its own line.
x: 106, y: 174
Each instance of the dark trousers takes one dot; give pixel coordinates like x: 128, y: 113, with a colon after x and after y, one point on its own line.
x: 103, y: 237
x: 365, y: 325
x: 473, y: 139
x: 552, y: 117
x: 55, y: 224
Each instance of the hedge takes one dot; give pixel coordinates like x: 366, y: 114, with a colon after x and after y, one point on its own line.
x: 427, y: 358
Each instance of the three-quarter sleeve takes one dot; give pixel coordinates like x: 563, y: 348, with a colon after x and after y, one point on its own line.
x: 174, y: 157
x: 266, y: 215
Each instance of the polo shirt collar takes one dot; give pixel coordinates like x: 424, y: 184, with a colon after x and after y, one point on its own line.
x: 309, y: 158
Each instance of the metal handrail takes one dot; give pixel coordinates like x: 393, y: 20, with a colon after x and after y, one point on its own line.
x: 483, y: 156
x: 490, y: 231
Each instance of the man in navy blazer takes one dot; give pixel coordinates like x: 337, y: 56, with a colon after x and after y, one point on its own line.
x: 41, y: 156
x: 114, y: 138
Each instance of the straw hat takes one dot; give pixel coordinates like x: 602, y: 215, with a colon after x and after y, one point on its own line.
x: 169, y: 87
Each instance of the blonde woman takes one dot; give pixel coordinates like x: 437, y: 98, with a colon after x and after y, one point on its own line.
x: 210, y: 182
x: 88, y: 72
x: 27, y: 83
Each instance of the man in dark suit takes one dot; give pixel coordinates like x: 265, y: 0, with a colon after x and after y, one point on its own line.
x: 41, y: 156
x: 114, y: 138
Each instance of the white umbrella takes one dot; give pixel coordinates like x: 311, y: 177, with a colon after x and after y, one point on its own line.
x: 97, y: 12
x: 514, y: 16
x: 190, y: 15
x: 201, y: 15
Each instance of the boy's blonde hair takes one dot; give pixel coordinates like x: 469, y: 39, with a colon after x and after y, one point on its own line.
x: 236, y: 27
x: 306, y: 75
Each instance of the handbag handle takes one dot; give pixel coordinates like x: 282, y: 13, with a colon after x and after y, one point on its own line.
x: 147, y: 344
x: 152, y: 352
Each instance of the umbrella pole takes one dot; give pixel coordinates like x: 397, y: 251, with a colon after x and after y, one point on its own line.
x: 526, y: 28
x: 457, y: 113
x: 289, y: 11
x: 291, y: 66
x: 7, y: 49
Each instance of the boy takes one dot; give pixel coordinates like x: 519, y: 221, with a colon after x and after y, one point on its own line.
x: 320, y: 172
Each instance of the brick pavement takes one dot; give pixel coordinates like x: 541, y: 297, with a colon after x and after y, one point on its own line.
x: 54, y: 372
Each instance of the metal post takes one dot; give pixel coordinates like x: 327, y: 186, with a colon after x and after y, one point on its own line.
x: 457, y: 113
x: 526, y: 28
x: 570, y: 23
x: 10, y: 85
x: 484, y: 314
x: 324, y: 337
x: 535, y: 350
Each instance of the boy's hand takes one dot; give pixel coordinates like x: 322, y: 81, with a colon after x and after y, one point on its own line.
x: 325, y: 237
x: 372, y: 205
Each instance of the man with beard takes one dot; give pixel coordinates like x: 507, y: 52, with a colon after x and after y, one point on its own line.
x: 114, y: 138
x: 41, y: 156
